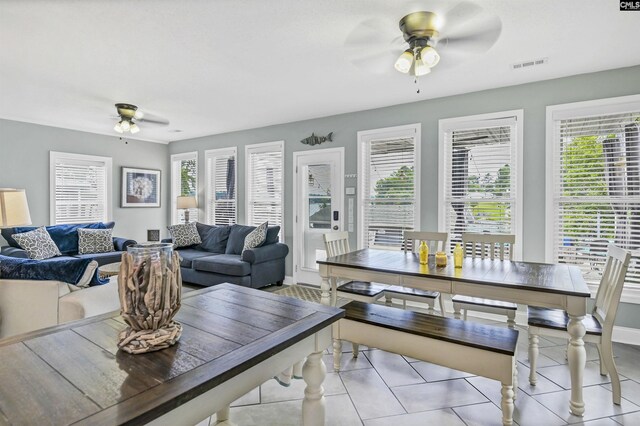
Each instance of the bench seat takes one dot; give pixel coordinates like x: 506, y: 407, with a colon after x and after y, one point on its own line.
x: 480, y: 349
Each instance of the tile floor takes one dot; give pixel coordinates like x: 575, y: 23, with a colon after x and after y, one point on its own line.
x: 383, y: 389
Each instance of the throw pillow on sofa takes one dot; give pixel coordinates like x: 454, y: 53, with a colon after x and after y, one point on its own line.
x: 256, y: 237
x: 184, y: 235
x: 214, y: 238
x: 95, y: 241
x: 37, y: 243
x: 64, y: 235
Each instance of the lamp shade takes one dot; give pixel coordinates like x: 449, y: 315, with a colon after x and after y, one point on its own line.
x: 14, y: 210
x: 187, y: 202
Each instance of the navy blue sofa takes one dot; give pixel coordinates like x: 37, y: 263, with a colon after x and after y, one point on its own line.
x: 220, y: 259
x: 66, y: 238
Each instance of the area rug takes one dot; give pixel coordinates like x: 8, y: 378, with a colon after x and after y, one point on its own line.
x: 305, y: 293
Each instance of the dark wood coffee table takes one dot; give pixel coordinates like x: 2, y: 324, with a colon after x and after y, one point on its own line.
x: 234, y: 339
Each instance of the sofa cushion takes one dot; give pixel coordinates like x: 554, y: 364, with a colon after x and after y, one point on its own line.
x: 188, y: 255
x: 37, y: 243
x: 65, y: 236
x: 237, y: 234
x: 79, y: 272
x: 184, y: 235
x: 227, y: 264
x: 214, y: 238
x: 272, y: 235
x: 256, y: 237
x: 95, y: 240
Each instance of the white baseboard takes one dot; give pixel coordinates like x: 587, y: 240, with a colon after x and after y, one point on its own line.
x: 288, y: 279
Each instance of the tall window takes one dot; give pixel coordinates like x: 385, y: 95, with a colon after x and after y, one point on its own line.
x: 220, y: 191
x: 594, y: 184
x: 388, y: 176
x: 184, y: 183
x: 480, y: 176
x: 264, y: 187
x: 80, y: 188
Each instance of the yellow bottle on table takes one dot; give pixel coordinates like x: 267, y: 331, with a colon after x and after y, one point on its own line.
x: 458, y: 254
x: 424, y: 253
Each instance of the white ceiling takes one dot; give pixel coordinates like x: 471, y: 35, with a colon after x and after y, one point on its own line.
x: 218, y: 66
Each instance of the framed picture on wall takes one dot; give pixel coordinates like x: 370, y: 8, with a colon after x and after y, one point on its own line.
x: 140, y: 187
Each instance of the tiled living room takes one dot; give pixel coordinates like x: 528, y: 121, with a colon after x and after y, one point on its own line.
x: 335, y: 212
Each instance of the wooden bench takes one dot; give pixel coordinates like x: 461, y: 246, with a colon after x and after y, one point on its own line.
x: 479, y: 349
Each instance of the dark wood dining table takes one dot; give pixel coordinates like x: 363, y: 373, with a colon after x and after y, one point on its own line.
x: 538, y: 284
x: 234, y: 338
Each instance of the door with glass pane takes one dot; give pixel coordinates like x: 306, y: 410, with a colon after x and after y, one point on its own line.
x: 318, y: 203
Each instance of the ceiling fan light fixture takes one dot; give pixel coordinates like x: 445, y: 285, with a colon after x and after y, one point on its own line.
x: 138, y: 115
x: 134, y: 129
x: 421, y: 69
x: 125, y: 125
x: 430, y: 56
x: 118, y: 128
x: 404, y: 62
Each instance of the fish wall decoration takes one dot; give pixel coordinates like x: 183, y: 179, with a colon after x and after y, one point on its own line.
x: 317, y: 140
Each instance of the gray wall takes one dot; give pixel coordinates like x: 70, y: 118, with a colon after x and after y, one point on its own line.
x: 533, y: 98
x: 24, y: 163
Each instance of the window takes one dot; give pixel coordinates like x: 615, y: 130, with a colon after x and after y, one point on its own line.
x: 184, y: 183
x: 388, y: 172
x: 265, y: 174
x: 220, y: 192
x: 80, y: 188
x: 593, y: 185
x: 480, y: 176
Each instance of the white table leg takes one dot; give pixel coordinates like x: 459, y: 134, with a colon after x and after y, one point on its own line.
x: 507, y: 405
x: 577, y: 357
x: 533, y: 358
x: 313, y: 405
x: 325, y: 288
x: 337, y: 354
x: 222, y: 418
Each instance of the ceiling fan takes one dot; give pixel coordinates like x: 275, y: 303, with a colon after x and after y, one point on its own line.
x: 428, y: 38
x: 129, y: 117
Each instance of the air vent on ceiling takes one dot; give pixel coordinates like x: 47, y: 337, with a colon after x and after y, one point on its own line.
x: 529, y: 64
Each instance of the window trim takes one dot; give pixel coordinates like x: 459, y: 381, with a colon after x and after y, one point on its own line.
x: 264, y: 147
x: 558, y: 112
x: 108, y: 162
x: 411, y: 130
x: 477, y: 120
x: 207, y: 195
x: 193, y: 155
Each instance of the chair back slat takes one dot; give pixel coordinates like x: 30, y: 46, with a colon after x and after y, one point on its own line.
x: 610, y: 288
x: 487, y: 245
x: 336, y: 243
x: 436, y: 241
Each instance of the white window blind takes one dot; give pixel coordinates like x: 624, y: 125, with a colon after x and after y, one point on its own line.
x: 389, y: 171
x: 80, y: 190
x: 184, y: 178
x: 220, y: 186
x: 479, y: 178
x: 595, y: 186
x: 264, y: 187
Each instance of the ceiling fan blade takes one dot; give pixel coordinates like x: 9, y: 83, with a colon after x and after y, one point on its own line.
x: 376, y: 63
x: 473, y: 40
x: 459, y: 15
x: 373, y: 32
x: 154, y: 119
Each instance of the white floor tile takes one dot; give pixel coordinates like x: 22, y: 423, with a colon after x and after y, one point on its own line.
x: 347, y: 362
x: 630, y: 390
x: 632, y: 419
x: 598, y: 404
x: 543, y: 385
x: 437, y: 395
x: 339, y: 412
x: 444, y: 417
x: 252, y: 397
x: 480, y: 414
x: 560, y: 375
x: 370, y: 395
x: 435, y: 373
x: 272, y: 391
x: 393, y: 368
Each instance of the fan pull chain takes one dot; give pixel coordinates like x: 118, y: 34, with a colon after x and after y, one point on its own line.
x: 416, y: 82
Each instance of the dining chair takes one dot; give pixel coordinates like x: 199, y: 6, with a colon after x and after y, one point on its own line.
x: 337, y: 243
x: 599, y: 324
x: 436, y: 241
x: 485, y: 246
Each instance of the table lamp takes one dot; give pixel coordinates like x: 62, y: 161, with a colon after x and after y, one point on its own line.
x: 186, y: 203
x: 14, y: 210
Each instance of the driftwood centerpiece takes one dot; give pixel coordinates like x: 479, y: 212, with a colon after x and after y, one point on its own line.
x: 150, y: 289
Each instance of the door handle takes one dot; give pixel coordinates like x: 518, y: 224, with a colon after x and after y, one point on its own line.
x: 336, y: 215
